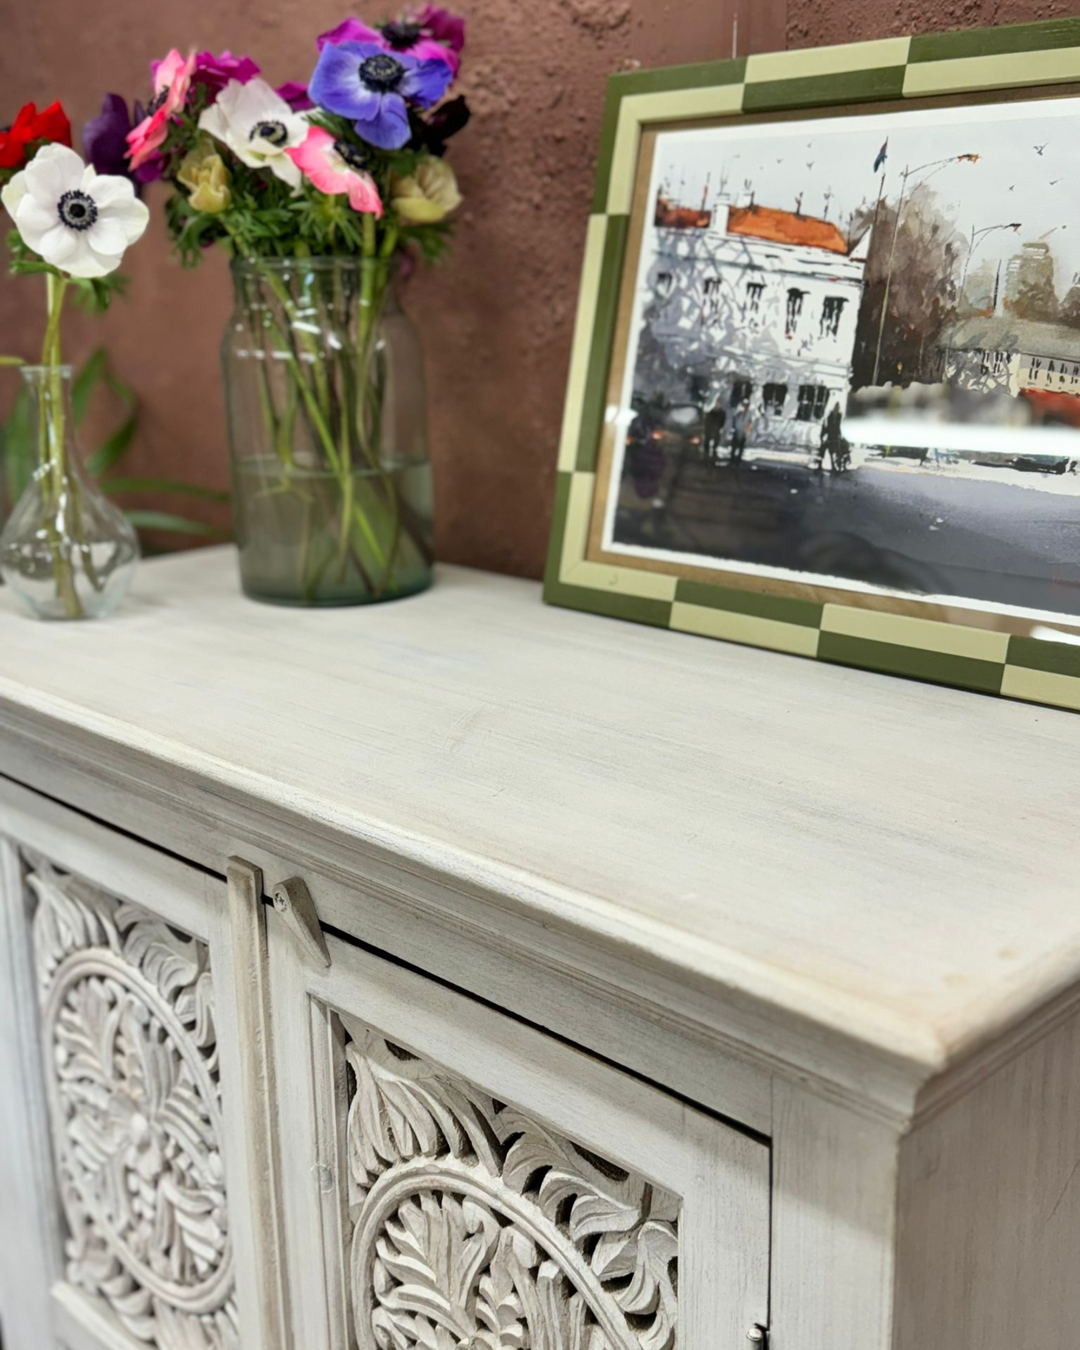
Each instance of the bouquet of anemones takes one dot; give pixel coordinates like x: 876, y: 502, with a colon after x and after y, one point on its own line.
x: 319, y: 190
x: 65, y: 550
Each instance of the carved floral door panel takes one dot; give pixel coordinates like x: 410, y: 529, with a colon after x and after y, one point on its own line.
x: 129, y: 1140
x: 456, y: 1180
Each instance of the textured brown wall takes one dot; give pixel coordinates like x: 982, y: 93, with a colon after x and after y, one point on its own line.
x: 497, y: 318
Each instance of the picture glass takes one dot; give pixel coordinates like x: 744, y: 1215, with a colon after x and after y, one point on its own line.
x: 852, y: 357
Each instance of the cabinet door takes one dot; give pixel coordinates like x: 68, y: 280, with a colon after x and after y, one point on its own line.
x: 126, y: 1198
x: 454, y: 1178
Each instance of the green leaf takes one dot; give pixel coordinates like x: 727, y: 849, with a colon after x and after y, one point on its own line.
x: 82, y: 387
x: 113, y: 449
x: 163, y: 520
x: 164, y: 485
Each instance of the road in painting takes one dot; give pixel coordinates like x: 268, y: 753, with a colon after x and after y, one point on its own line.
x: 855, y: 354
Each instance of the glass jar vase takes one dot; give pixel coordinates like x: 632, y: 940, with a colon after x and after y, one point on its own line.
x: 66, y: 551
x: 324, y: 384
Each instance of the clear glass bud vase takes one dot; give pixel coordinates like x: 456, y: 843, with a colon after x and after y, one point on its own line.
x: 324, y: 385
x: 66, y: 551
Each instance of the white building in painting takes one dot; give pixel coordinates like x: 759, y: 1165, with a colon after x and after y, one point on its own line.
x: 1001, y: 352
x: 753, y: 301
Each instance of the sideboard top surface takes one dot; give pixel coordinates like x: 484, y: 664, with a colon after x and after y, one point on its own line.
x: 875, y: 855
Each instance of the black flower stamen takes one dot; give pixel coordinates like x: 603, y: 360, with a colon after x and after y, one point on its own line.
x: 77, y: 210
x: 275, y: 133
x: 381, y: 73
x: 158, y: 101
x: 401, y: 34
x: 352, y: 155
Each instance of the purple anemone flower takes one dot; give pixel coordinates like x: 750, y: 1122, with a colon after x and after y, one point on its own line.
x: 360, y: 81
x: 105, y: 137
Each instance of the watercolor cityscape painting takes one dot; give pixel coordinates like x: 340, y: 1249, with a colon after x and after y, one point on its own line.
x: 854, y: 356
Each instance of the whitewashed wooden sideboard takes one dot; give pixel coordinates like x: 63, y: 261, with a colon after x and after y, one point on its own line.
x: 463, y: 974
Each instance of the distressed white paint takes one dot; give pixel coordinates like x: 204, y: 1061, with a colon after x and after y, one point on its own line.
x: 835, y: 908
x: 869, y: 871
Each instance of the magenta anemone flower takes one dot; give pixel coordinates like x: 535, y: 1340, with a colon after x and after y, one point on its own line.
x: 372, y: 88
x: 216, y: 71
x: 337, y: 168
x: 443, y: 26
x: 295, y: 94
x: 429, y: 34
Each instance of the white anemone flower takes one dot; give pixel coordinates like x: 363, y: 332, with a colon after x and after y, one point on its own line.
x: 258, y: 126
x: 75, y: 218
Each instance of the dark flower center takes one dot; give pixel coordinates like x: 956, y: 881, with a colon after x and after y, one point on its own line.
x: 275, y: 133
x: 354, y: 158
x: 381, y: 73
x: 401, y: 34
x: 77, y: 210
x: 158, y: 101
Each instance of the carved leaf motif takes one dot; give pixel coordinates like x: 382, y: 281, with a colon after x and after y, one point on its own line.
x: 648, y: 1258
x: 69, y: 917
x: 433, y: 1251
x: 401, y: 1110
x: 128, y: 1026
x: 597, y: 1202
x: 480, y: 1229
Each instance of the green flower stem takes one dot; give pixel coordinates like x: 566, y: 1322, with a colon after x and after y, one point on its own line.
x: 320, y: 417
x: 52, y: 444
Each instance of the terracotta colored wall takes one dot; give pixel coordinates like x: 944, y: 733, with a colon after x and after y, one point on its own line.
x: 497, y: 318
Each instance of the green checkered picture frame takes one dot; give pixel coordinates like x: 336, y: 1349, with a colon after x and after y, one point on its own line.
x: 1016, y: 650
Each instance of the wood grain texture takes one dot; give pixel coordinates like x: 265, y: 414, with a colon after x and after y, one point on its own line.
x: 989, y: 1222
x: 31, y: 1235
x: 250, y: 1058
x: 888, y: 864
x: 834, y: 1221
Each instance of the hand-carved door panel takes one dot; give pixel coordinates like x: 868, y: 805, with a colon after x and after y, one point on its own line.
x: 127, y: 1147
x: 132, y: 1080
x: 454, y: 1178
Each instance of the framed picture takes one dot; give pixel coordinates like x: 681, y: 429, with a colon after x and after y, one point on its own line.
x: 825, y: 386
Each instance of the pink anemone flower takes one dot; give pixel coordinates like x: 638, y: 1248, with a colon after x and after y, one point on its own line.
x: 172, y: 79
x: 336, y: 167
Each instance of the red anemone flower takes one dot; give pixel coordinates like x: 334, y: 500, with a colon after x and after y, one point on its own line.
x: 51, y: 124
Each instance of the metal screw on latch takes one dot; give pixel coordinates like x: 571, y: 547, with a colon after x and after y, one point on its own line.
x: 758, y: 1336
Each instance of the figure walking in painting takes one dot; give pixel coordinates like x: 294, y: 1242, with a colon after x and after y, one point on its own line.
x: 742, y: 423
x: 832, y: 442
x: 715, y: 418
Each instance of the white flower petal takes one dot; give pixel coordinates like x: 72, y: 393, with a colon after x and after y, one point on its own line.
x: 283, y: 167
x: 58, y: 245
x: 90, y: 262
x: 212, y: 121
x: 35, y: 220
x: 54, y: 170
x: 107, y: 235
x: 11, y: 194
x: 108, y: 188
x: 132, y: 216
x: 257, y: 102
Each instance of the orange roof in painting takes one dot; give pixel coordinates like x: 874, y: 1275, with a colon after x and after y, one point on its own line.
x: 785, y: 227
